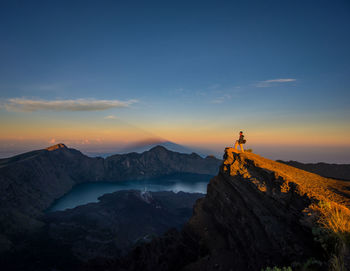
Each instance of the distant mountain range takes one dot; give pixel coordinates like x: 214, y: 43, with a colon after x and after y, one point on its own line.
x: 30, y: 182
x: 336, y: 171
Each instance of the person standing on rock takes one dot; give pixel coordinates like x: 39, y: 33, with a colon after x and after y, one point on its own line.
x: 240, y: 141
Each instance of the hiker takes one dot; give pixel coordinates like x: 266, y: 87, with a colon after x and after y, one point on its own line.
x: 240, y: 141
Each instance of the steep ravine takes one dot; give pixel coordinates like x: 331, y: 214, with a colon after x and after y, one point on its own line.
x: 255, y: 214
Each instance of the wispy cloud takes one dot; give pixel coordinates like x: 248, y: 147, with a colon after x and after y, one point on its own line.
x: 31, y: 105
x: 272, y: 82
x: 110, y: 117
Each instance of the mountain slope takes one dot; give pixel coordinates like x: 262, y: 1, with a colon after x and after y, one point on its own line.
x: 30, y: 182
x: 256, y: 213
x: 156, y: 162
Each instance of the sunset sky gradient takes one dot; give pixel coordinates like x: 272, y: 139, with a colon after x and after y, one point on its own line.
x: 100, y: 74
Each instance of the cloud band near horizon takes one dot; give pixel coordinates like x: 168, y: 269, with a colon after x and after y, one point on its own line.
x: 31, y: 105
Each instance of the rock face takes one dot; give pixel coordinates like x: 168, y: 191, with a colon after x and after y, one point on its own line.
x: 253, y: 216
x: 30, y: 182
x: 337, y: 171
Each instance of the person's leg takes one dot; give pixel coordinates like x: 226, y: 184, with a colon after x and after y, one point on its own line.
x: 236, y: 144
x: 241, y: 145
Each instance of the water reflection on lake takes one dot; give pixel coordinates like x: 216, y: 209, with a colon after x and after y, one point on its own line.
x: 90, y: 192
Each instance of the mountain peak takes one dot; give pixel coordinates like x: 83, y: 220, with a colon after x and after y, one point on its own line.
x: 56, y: 147
x: 158, y: 148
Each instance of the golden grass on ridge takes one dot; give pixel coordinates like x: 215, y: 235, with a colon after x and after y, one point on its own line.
x: 333, y: 216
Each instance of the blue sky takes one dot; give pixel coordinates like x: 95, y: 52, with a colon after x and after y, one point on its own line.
x: 180, y: 70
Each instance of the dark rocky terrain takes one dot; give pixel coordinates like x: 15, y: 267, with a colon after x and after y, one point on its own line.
x: 102, y: 231
x: 30, y: 182
x: 335, y: 171
x: 256, y: 214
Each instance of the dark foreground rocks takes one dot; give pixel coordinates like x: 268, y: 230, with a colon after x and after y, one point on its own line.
x: 100, y: 232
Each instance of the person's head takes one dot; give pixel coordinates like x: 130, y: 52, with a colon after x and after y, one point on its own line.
x: 241, y: 132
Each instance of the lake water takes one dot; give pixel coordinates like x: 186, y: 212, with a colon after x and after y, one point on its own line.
x: 90, y: 192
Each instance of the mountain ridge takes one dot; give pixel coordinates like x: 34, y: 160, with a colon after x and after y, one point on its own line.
x: 30, y: 182
x: 256, y: 213
x: 327, y: 170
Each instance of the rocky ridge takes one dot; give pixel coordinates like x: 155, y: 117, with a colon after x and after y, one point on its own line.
x: 255, y: 214
x: 30, y: 182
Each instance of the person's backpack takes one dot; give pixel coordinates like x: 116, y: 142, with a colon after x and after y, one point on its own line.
x: 242, y: 140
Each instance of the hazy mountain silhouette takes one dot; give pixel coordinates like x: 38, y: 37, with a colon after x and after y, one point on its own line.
x: 145, y: 145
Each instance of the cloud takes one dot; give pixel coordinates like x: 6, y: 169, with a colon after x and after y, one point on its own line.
x: 280, y: 80
x: 31, y: 105
x: 272, y: 82
x: 110, y: 117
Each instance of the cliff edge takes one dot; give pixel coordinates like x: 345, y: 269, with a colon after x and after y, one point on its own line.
x: 256, y: 213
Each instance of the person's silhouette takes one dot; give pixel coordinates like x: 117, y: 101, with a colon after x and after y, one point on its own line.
x: 240, y: 141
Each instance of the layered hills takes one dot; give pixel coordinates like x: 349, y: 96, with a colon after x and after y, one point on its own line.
x: 30, y: 182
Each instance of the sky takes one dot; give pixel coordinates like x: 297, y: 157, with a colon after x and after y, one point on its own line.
x: 96, y: 75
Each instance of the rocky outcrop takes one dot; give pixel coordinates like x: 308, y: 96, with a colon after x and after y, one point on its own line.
x: 255, y: 214
x: 56, y: 147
